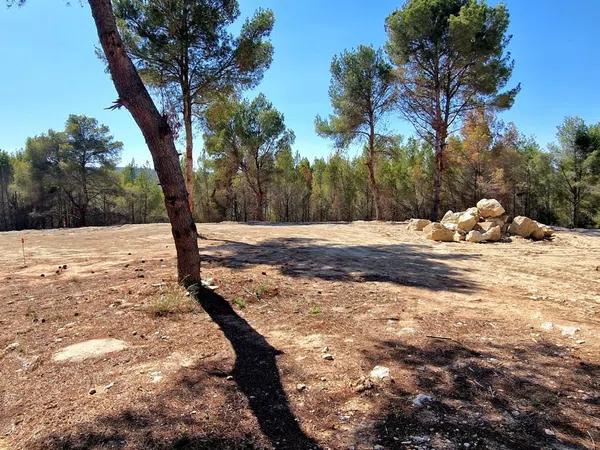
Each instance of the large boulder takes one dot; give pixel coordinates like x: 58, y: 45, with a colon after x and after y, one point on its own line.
x: 417, y: 224
x: 482, y: 227
x: 490, y: 208
x: 548, y: 232
x: 475, y: 237
x: 494, y: 234
x: 468, y: 219
x: 522, y: 226
x: 451, y: 218
x: 459, y: 236
x: 538, y: 233
x: 438, y: 232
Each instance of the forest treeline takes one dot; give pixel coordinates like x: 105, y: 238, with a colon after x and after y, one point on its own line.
x: 70, y: 178
x: 444, y: 69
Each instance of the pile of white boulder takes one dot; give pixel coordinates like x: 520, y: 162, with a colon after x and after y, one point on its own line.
x: 487, y: 222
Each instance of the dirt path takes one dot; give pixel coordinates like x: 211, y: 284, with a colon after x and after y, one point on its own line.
x: 501, y: 341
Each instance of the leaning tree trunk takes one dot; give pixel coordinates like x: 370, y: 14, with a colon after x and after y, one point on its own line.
x: 159, y: 138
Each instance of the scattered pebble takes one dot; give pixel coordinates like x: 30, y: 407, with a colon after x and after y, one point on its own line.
x: 567, y: 330
x: 156, y: 376
x: 300, y: 387
x: 92, y: 391
x: 422, y: 399
x: 364, y: 384
x: 380, y: 372
x: 12, y: 347
x: 328, y: 357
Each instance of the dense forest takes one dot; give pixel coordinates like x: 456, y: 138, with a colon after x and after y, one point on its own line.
x: 71, y: 178
x: 248, y: 168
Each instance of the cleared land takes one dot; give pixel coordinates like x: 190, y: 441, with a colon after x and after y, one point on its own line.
x: 503, y: 339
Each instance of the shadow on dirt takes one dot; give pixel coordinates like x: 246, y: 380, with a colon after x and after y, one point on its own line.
x: 161, y: 424
x: 256, y: 374
x: 540, y: 398
x: 403, y: 264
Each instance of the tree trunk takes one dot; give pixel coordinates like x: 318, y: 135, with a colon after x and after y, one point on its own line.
x: 83, y: 215
x: 159, y: 138
x: 374, y: 190
x: 438, y: 169
x: 260, y: 200
x: 576, y: 200
x: 371, y: 166
x: 189, y: 146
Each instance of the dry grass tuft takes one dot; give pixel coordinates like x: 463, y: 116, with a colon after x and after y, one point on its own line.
x: 171, y: 300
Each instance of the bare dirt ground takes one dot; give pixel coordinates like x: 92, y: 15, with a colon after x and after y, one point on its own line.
x: 499, y: 341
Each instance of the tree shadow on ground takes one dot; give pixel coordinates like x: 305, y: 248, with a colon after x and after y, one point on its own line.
x: 403, y: 264
x: 159, y: 423
x: 533, y: 397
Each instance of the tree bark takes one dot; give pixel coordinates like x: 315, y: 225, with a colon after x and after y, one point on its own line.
x: 371, y: 166
x: 438, y: 170
x: 159, y: 138
x: 260, y: 201
x: 189, y: 146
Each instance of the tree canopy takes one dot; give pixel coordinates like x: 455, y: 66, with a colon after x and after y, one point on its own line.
x: 186, y: 50
x: 451, y: 58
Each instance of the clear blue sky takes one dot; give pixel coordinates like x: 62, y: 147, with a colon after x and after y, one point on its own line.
x: 49, y: 69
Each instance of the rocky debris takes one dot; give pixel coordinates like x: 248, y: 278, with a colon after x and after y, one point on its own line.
x: 567, y: 330
x: 417, y: 224
x: 437, y: 232
x: 468, y: 220
x: 488, y: 222
x: 459, y: 236
x: 328, y: 357
x: 89, y: 349
x: 12, y: 347
x: 494, y: 234
x: 474, y: 237
x: 450, y: 219
x: 379, y: 373
x: 156, y: 376
x: 363, y: 384
x: 548, y: 232
x: 209, y: 284
x: 522, y: 226
x: 301, y: 387
x: 490, y: 208
x: 421, y: 400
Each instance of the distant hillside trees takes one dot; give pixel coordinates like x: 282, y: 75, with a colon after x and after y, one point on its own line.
x: 578, y: 160
x: 249, y: 135
x: 69, y: 178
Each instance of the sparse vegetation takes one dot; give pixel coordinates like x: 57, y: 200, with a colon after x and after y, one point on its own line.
x: 172, y: 299
x: 239, y: 302
x: 262, y: 290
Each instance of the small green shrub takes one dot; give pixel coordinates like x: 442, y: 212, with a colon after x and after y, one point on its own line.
x: 171, y: 300
x: 239, y: 302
